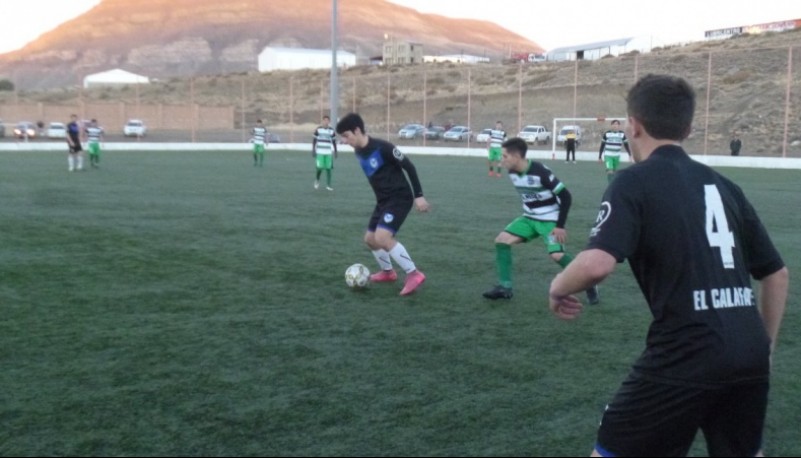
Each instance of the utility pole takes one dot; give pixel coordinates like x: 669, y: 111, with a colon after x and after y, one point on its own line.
x: 334, y: 92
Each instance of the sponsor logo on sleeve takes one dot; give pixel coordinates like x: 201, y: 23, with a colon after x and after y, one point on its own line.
x: 398, y: 155
x: 603, y: 216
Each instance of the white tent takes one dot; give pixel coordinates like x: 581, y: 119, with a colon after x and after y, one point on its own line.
x: 276, y: 58
x: 114, y: 77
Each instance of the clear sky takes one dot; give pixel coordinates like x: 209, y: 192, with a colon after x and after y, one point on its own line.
x: 550, y: 24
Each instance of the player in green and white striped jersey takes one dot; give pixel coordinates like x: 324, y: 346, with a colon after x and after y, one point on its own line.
x: 496, y: 138
x: 94, y: 134
x: 258, y: 138
x: 612, y: 145
x: 324, y: 150
x: 546, y: 202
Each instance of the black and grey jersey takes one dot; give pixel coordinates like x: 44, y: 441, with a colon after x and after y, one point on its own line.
x: 693, y: 241
x: 384, y: 164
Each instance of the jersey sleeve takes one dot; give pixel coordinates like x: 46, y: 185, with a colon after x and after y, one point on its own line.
x: 397, y: 156
x: 549, y: 179
x: 618, y: 225
x: 759, y: 253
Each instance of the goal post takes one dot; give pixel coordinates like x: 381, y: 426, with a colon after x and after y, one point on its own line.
x: 591, y: 130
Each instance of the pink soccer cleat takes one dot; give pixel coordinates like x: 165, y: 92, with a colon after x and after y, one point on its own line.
x: 413, y: 281
x: 384, y: 276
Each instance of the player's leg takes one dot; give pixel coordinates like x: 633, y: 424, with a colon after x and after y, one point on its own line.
x: 557, y: 253
x: 496, y: 158
x: 391, y: 218
x: 386, y: 273
x: 519, y: 230
x: 327, y: 165
x: 735, y: 420
x: 650, y: 419
x: 79, y: 155
x: 71, y: 160
x: 609, y: 162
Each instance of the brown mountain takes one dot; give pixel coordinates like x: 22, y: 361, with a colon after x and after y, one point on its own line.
x: 162, y: 38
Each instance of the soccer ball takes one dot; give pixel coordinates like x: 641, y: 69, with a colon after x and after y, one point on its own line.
x: 357, y: 276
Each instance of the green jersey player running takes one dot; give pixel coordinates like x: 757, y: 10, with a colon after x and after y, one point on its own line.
x: 612, y: 145
x: 546, y: 202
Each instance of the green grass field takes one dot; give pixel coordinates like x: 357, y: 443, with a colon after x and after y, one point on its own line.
x: 191, y: 304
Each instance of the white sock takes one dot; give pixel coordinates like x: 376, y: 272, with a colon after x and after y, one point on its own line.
x: 383, y: 259
x: 403, y: 259
x: 80, y: 162
x: 71, y: 162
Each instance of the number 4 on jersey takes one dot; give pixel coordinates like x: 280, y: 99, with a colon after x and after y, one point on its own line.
x: 717, y: 227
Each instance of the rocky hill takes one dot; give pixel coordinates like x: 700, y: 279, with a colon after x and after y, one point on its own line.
x: 162, y: 38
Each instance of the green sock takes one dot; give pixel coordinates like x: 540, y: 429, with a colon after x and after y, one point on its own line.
x: 565, y: 260
x: 328, y: 177
x: 503, y: 260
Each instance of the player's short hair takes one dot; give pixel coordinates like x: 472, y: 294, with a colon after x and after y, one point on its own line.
x: 516, y: 145
x: 327, y: 117
x: 258, y: 121
x: 616, y: 121
x: 350, y: 123
x: 664, y: 105
x: 94, y: 120
x: 498, y: 122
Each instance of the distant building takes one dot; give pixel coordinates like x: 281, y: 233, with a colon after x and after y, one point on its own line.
x: 401, y: 52
x: 116, y: 77
x: 457, y: 59
x: 594, y: 51
x: 277, y: 58
x: 728, y: 32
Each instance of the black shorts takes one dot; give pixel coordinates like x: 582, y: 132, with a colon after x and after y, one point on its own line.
x: 655, y: 419
x: 75, y: 148
x: 390, y: 215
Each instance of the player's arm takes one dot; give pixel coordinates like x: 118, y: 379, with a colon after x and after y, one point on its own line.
x: 419, y: 201
x: 772, y: 302
x: 314, y: 144
x: 589, y: 268
x: 334, y: 145
x: 603, y: 145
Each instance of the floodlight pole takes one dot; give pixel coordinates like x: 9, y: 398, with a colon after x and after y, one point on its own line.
x: 334, y: 92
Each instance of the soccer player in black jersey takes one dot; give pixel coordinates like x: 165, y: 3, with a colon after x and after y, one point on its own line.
x: 693, y: 242
x: 384, y: 166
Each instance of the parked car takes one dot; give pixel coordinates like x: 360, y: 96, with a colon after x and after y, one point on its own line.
x: 560, y: 139
x: 434, y: 133
x: 56, y: 130
x: 484, y: 136
x: 535, y: 134
x: 458, y: 134
x: 273, y: 138
x: 412, y: 131
x: 25, y: 129
x: 134, y: 128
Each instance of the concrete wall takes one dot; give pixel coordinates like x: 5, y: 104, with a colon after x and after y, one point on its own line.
x: 114, y: 115
x: 304, y: 148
